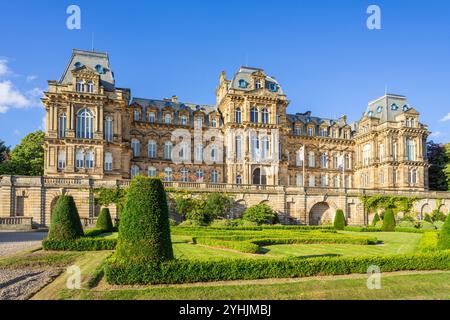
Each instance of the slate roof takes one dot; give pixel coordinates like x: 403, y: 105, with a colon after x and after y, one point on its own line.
x: 387, y: 107
x: 245, y: 73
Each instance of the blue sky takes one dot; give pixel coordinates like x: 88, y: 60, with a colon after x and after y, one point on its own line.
x: 322, y: 53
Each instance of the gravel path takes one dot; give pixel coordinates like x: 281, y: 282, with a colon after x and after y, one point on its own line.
x: 23, y: 284
x: 13, y: 242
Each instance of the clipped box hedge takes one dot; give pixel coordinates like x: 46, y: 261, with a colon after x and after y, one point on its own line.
x: 82, y: 244
x: 191, y: 271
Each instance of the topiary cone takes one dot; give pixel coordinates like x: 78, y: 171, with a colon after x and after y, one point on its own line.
x: 144, y: 231
x: 388, y: 221
x: 66, y: 223
x: 339, y: 220
x: 104, y: 221
x: 376, y: 219
x: 444, y: 237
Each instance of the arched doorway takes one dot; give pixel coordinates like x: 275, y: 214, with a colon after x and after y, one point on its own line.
x: 320, y: 214
x: 259, y: 177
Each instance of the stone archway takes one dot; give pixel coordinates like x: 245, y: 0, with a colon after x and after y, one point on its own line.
x: 320, y: 214
x: 426, y: 209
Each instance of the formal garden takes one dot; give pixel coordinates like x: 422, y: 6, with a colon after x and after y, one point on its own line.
x: 147, y: 249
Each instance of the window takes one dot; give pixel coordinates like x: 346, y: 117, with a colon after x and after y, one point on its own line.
x: 299, y: 180
x: 311, y: 159
x: 258, y: 84
x: 168, y: 174
x: 168, y: 150
x: 199, y: 122
x: 152, y: 117
x: 135, y: 171
x: 324, y: 160
x: 214, y: 176
x: 299, y: 159
x: 310, y: 131
x: 184, y: 175
x: 168, y: 119
x: 183, y: 152
x: 410, y: 150
x: 323, y: 181
x: 255, y: 147
x: 79, y: 162
x: 199, y: 175
x: 239, y: 180
x: 62, y: 125
x: 394, y: 107
x: 382, y: 152
x: 395, y: 151
x: 214, y: 155
x: 85, y: 124
x: 108, y: 161
x: 136, y: 147
x: 243, y: 84
x: 336, y: 182
x: 273, y: 87
x: 394, y: 176
x: 238, y: 116
x: 184, y: 120
x: 405, y: 108
x: 214, y: 123
x: 298, y: 131
x: 151, y: 171
x: 152, y: 149
x: 199, y: 153
x: 367, y: 153
x: 136, y: 115
x: 412, y: 177
x: 109, y: 129
x: 265, y: 148
x: 238, y: 148
x: 348, y: 182
x: 381, y: 177
x: 312, y: 181
x: 254, y: 115
x: 323, y: 132
x: 90, y: 87
x: 265, y: 116
x: 61, y: 159
x: 89, y: 163
x: 80, y: 86
x: 380, y: 109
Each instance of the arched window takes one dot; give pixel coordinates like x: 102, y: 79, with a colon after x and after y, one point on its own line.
x: 311, y: 159
x: 136, y: 147
x: 239, y: 180
x: 214, y: 176
x: 199, y: 175
x: 410, y: 149
x: 135, y: 171
x: 168, y: 150
x: 62, y: 126
x: 89, y: 159
x: 152, y: 149
x: 238, y: 116
x: 168, y: 174
x: 265, y: 116
x: 85, y: 124
x: 367, y: 154
x: 238, y: 148
x: 152, y: 117
x: 79, y: 159
x: 80, y: 86
x: 151, y: 171
x: 61, y: 159
x: 184, y: 175
x: 254, y: 115
x: 108, y: 161
x: 324, y: 160
x: 109, y: 129
x: 90, y: 87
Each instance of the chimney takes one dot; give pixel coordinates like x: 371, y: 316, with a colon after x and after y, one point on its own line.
x: 174, y: 99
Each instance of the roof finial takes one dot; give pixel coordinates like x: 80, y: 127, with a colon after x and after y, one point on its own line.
x: 93, y: 42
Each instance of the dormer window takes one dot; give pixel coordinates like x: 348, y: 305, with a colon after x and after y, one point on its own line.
x: 265, y: 116
x: 394, y: 107
x: 99, y: 69
x: 168, y: 119
x: 273, y: 87
x: 90, y: 87
x: 214, y: 123
x: 258, y: 84
x: 184, y: 120
x: 243, y: 84
x: 152, y: 117
x: 80, y: 86
x: 136, y: 115
x: 370, y: 113
x: 78, y: 64
x: 405, y: 108
x: 379, y: 109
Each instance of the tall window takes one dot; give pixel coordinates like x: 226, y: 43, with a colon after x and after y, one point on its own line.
x: 168, y: 174
x: 238, y: 116
x: 312, y: 181
x: 310, y: 131
x: 79, y: 159
x: 199, y: 122
x: 80, y: 86
x: 183, y: 152
x: 265, y: 116
x: 323, y: 132
x: 199, y: 175
x: 239, y: 180
x: 109, y: 129
x: 85, y: 124
x: 412, y: 177
x: 214, y: 176
x: 324, y: 161
x: 323, y: 181
x: 311, y: 159
x: 381, y: 177
x: 136, y: 115
x: 265, y: 148
x: 90, y: 87
x: 108, y: 161
x: 336, y: 182
x: 238, y: 148
x: 184, y: 120
x: 255, y: 147
x: 214, y: 154
x: 395, y: 151
x: 299, y: 160
x: 152, y: 149
x: 168, y: 150
x: 62, y: 125
x: 199, y: 153
x: 89, y: 163
x: 61, y: 159
x: 184, y: 175
x: 135, y: 171
x: 367, y: 153
x: 214, y: 123
x: 168, y: 119
x: 152, y: 117
x: 382, y: 152
x: 151, y: 171
x: 299, y: 180
x: 410, y: 149
x: 136, y: 147
x: 258, y: 84
x: 254, y: 115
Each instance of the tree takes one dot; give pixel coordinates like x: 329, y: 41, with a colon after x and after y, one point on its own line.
x: 339, y: 220
x: 27, y: 158
x: 144, y: 232
x: 104, y: 221
x: 218, y: 205
x: 261, y: 214
x: 444, y: 237
x: 439, y: 171
x: 388, y: 221
x: 376, y: 218
x: 4, y: 152
x: 66, y: 223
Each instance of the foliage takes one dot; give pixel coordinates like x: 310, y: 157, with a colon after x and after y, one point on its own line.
x: 376, y: 219
x: 91, y: 233
x: 144, y: 232
x: 191, y: 271
x: 27, y: 158
x: 428, y: 242
x: 104, y: 221
x: 437, y: 215
x: 396, y: 203
x: 66, y: 223
x: 444, y: 237
x: 82, y: 244
x: 439, y: 225
x: 388, y: 221
x: 242, y: 246
x: 219, y: 205
x: 261, y: 214
x: 439, y: 171
x: 406, y: 224
x: 105, y: 197
x: 426, y: 225
x: 339, y: 220
x: 223, y: 223
x: 4, y: 152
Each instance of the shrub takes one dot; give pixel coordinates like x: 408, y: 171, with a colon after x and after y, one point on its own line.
x: 223, y: 223
x: 426, y: 225
x: 388, y: 221
x: 339, y: 220
x: 144, y: 233
x: 444, y: 237
x: 406, y: 224
x: 66, y: 223
x: 92, y: 233
x: 172, y: 223
x: 427, y: 218
x: 376, y: 219
x: 190, y: 271
x: 437, y: 215
x: 261, y: 214
x: 190, y: 223
x: 428, y: 242
x: 439, y: 225
x: 218, y: 205
x: 379, y: 224
x: 242, y: 246
x: 104, y: 221
x: 245, y: 223
x: 82, y: 244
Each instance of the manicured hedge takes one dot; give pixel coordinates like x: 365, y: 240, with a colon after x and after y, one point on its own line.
x: 104, y: 221
x: 82, y: 244
x: 91, y: 233
x: 191, y: 271
x: 444, y: 237
x: 377, y: 229
x: 65, y: 223
x: 242, y: 246
x: 428, y: 242
x: 339, y: 220
x: 388, y: 221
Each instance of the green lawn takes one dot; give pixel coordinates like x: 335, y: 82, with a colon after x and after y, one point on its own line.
x: 394, y: 286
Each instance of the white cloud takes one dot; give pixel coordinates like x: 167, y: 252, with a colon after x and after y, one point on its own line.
x: 12, y: 98
x: 31, y: 78
x: 446, y: 118
x: 436, y: 134
x: 3, y: 67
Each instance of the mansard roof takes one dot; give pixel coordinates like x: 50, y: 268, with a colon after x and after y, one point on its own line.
x: 176, y: 106
x: 247, y: 74
x: 388, y: 107
x: 306, y: 118
x: 96, y: 61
